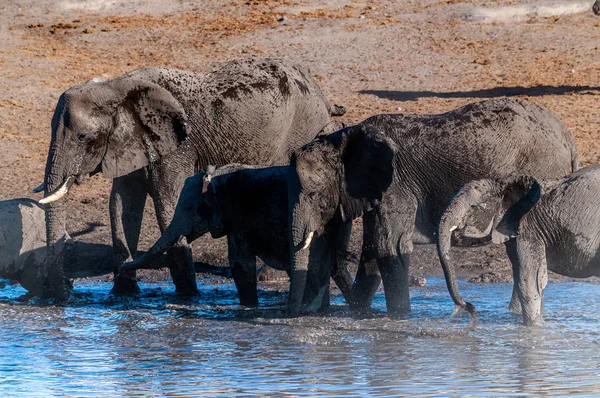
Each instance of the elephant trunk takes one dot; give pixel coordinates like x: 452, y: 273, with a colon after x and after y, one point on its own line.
x: 300, y: 238
x: 450, y: 221
x: 56, y: 219
x: 149, y: 259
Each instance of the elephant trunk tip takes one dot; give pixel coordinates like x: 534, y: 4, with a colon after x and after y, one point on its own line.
x: 470, y: 308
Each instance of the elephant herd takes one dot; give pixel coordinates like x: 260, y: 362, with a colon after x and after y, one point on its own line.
x: 251, y: 152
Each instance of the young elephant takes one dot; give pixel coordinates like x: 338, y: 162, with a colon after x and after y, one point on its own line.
x: 23, y: 243
x: 400, y: 171
x: 554, y: 225
x: 249, y: 205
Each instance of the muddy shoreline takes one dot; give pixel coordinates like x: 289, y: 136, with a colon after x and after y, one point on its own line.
x: 372, y: 56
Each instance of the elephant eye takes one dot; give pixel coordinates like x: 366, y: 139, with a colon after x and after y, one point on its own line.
x: 81, y: 137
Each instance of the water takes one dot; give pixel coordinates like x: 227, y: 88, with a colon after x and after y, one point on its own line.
x: 163, y: 345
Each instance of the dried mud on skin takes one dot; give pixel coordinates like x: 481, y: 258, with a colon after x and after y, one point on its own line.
x: 415, y: 56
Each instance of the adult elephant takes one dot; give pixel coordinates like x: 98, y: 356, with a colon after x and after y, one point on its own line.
x: 152, y: 128
x: 400, y: 172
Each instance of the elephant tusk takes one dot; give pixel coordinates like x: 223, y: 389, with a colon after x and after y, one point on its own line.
x: 308, y: 240
x: 58, y: 194
x: 453, y: 228
x: 39, y: 188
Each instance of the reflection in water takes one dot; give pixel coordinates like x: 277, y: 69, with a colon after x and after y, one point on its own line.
x: 162, y: 344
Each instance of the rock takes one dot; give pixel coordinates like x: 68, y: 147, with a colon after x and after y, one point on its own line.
x: 417, y: 281
x: 492, y: 277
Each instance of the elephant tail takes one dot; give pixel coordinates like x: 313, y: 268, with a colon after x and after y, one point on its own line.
x: 336, y: 110
x: 574, y: 158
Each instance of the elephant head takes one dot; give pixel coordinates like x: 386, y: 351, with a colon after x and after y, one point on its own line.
x: 479, y: 208
x: 116, y: 127
x: 332, y: 179
x: 200, y: 209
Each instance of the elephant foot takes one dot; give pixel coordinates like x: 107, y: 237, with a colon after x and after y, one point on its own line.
x: 186, y: 288
x: 57, y: 293
x: 125, y: 286
x: 248, y: 297
x: 399, y: 313
x: 184, y: 279
x: 318, y: 304
x: 249, y: 303
x: 398, y: 316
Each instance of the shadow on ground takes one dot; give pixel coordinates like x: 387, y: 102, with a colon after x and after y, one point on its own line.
x: 535, y: 91
x: 86, y: 260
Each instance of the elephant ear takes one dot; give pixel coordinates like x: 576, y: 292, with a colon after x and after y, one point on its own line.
x: 520, y: 194
x: 368, y: 170
x: 149, y: 123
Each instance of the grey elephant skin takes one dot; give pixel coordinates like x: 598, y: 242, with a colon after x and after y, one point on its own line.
x: 546, y: 225
x: 400, y: 171
x: 152, y: 128
x: 23, y: 243
x: 249, y: 205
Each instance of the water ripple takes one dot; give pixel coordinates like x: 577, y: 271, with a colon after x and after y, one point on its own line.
x: 160, y: 344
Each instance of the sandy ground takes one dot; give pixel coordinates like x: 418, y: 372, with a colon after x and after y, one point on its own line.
x: 373, y: 56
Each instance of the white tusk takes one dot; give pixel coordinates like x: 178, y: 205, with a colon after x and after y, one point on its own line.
x: 58, y: 194
x: 453, y: 228
x: 308, y: 240
x: 39, y: 188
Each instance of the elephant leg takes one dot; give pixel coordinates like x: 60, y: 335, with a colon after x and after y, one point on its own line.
x: 387, y: 246
x: 394, y: 268
x: 531, y: 278
x: 341, y: 269
x: 166, y: 181
x: 320, y: 268
x: 393, y: 231
x: 511, y: 251
x: 368, y: 277
x: 243, y: 268
x: 127, y: 201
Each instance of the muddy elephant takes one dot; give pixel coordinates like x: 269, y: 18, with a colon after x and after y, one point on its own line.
x: 546, y: 225
x: 23, y: 243
x: 249, y: 206
x: 400, y: 171
x: 152, y: 128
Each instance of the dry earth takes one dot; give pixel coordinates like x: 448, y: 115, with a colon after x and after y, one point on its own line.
x: 373, y: 56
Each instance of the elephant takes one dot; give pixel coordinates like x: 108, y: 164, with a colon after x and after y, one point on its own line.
x: 152, y: 128
x: 546, y: 225
x: 249, y: 205
x: 23, y: 242
x: 400, y: 171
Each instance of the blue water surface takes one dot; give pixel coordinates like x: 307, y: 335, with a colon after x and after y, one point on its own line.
x: 160, y: 344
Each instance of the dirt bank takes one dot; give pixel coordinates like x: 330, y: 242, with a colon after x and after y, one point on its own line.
x: 418, y: 56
